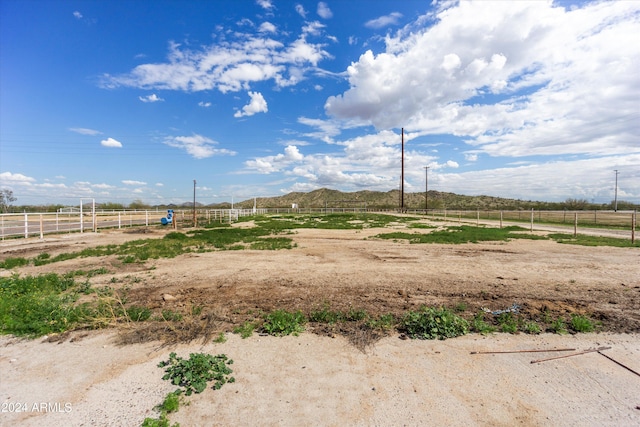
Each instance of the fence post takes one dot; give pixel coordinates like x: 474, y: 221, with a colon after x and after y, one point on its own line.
x: 41, y: 230
x: 500, y: 219
x: 478, y: 218
x: 119, y: 220
x: 146, y: 218
x: 575, y: 224
x: 26, y: 226
x: 532, y: 213
x: 633, y: 227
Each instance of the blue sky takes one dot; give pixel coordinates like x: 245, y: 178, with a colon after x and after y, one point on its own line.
x: 133, y: 100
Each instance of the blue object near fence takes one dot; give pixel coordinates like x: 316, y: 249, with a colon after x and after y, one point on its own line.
x: 169, y: 218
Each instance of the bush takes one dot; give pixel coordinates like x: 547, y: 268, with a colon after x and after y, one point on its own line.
x: 431, y: 323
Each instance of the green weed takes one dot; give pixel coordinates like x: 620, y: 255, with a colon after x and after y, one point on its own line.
x: 508, y: 323
x: 10, y: 263
x: 193, y: 374
x: 282, y: 322
x: 478, y: 324
x: 558, y: 326
x: 581, y: 323
x: 532, y: 328
x: 245, y: 330
x: 431, y: 323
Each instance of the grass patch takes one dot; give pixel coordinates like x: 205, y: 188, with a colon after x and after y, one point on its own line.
x: 462, y: 234
x: 11, y: 262
x: 38, y: 305
x: 584, y: 240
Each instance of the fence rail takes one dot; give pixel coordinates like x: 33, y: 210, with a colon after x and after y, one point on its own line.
x: 26, y: 225
x: 38, y: 224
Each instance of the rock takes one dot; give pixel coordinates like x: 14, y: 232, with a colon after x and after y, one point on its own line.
x: 168, y: 297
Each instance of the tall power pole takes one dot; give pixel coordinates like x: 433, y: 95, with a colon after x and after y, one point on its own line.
x: 402, y: 176
x: 615, y: 203
x: 426, y: 189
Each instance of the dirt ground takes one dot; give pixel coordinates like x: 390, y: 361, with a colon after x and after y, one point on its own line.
x: 326, y: 377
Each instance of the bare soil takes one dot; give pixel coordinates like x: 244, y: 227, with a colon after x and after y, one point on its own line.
x: 335, y: 376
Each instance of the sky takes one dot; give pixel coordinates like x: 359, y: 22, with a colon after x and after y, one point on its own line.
x: 133, y: 100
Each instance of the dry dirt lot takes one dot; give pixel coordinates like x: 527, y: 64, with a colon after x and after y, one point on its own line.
x: 330, y: 377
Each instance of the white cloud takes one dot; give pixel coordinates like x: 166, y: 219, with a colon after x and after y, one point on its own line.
x: 8, y: 178
x: 256, y: 105
x: 536, y: 80
x: 85, y: 131
x: 132, y: 182
x: 265, y: 4
x: 150, y: 98
x: 197, y: 146
x: 324, y: 11
x: 470, y: 157
x: 204, y: 104
x: 103, y: 186
x: 301, y: 11
x: 267, y: 27
x: 228, y: 66
x: 384, y: 21
x: 110, y: 142
x: 77, y: 15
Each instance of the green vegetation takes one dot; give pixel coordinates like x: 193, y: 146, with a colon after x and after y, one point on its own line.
x: 479, y: 325
x: 432, y: 323
x: 462, y: 234
x: 282, y: 322
x: 584, y: 240
x: 581, y: 323
x: 193, y: 374
x: 38, y: 305
x: 245, y: 330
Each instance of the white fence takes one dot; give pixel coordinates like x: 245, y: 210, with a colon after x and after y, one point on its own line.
x: 38, y: 224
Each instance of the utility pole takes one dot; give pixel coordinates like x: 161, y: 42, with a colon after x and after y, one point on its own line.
x: 195, y: 221
x: 615, y: 206
x: 426, y: 189
x: 402, y: 176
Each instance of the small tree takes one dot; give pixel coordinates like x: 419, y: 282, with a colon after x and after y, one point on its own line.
x: 138, y: 204
x: 6, y: 198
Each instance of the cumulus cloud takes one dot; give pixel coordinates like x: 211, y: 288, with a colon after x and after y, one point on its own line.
x: 85, y: 131
x: 256, y: 105
x: 232, y: 64
x: 197, y: 146
x: 150, y: 98
x: 204, y: 104
x: 132, y: 182
x: 8, y: 178
x: 537, y: 79
x: 77, y: 15
x: 384, y: 21
x: 323, y: 10
x: 110, y: 142
x: 267, y: 27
